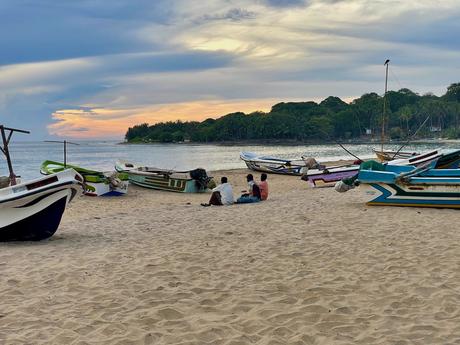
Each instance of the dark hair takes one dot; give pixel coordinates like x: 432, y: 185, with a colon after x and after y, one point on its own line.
x: 223, y: 179
x: 249, y: 177
x: 263, y: 177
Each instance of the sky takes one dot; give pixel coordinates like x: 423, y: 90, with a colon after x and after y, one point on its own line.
x: 89, y: 69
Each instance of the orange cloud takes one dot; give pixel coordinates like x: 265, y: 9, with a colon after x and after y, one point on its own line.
x: 104, y: 122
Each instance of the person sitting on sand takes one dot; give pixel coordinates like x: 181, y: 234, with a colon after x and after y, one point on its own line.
x: 222, y: 194
x: 263, y: 186
x: 254, y: 192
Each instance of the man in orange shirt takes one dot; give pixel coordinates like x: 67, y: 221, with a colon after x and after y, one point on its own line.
x: 263, y: 186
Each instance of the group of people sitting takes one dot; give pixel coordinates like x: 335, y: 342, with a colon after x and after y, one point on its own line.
x: 223, y: 193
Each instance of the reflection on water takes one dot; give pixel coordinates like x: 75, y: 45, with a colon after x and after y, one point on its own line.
x: 28, y: 156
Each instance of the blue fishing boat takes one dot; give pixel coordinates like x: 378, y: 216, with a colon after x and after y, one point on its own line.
x: 422, y: 186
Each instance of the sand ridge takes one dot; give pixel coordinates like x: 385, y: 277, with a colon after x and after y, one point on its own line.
x: 307, y: 266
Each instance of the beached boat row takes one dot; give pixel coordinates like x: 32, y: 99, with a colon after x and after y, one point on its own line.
x: 32, y: 211
x: 320, y: 175
x: 430, y: 179
x: 307, y: 167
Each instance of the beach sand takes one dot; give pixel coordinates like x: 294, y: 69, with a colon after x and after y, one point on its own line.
x: 307, y: 266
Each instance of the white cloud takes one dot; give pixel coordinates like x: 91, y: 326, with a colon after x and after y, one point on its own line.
x: 233, y: 50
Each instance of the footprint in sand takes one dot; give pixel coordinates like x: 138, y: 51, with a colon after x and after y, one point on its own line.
x: 170, y: 314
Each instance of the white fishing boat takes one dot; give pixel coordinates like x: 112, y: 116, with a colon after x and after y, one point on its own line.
x: 276, y: 165
x: 445, y: 159
x: 190, y: 181
x: 32, y: 210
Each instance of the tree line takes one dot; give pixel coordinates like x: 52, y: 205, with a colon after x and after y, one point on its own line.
x: 331, y: 119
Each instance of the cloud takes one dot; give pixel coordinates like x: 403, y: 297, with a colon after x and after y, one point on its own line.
x: 68, y: 62
x: 113, y: 123
x: 43, y: 30
x: 233, y: 14
x: 285, y: 3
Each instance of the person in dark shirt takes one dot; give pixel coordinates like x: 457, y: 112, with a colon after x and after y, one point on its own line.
x: 253, y: 194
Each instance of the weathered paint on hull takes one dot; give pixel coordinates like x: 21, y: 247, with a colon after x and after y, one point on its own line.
x: 104, y: 189
x: 433, y: 196
x: 36, y: 227
x: 165, y: 183
x: 274, y: 168
x: 331, y: 178
x: 386, y: 156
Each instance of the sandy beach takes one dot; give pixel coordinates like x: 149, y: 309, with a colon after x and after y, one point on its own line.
x: 307, y: 266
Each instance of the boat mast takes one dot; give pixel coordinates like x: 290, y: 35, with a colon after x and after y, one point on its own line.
x: 65, y: 142
x: 387, y: 62
x: 6, y: 151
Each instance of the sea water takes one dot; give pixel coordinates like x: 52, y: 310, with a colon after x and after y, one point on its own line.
x: 102, y: 155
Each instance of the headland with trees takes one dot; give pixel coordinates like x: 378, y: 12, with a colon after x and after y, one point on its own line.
x: 331, y: 119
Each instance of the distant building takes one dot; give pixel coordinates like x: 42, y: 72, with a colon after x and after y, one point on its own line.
x: 368, y: 131
x: 435, y: 129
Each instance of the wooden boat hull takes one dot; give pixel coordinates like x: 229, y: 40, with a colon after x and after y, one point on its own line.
x: 273, y: 168
x: 328, y: 177
x: 422, y: 186
x: 165, y: 183
x: 106, y: 188
x: 385, y: 156
x: 273, y: 165
x: 433, y: 196
x: 192, y: 181
x: 444, y: 159
x: 32, y: 211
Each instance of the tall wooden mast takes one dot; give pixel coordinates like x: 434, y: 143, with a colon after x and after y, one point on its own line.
x: 386, y: 64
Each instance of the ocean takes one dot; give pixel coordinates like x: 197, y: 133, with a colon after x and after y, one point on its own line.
x: 102, y: 155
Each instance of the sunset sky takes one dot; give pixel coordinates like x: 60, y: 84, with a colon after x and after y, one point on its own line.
x: 92, y: 68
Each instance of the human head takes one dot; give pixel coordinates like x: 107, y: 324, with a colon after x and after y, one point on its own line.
x: 223, y: 179
x: 263, y: 177
x: 249, y: 177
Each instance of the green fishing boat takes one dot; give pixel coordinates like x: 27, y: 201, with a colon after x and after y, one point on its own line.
x: 191, y: 181
x: 97, y: 183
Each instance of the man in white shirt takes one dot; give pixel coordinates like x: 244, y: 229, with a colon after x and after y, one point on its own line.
x: 222, y: 194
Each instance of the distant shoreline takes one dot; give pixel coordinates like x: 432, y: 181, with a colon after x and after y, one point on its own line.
x: 296, y: 142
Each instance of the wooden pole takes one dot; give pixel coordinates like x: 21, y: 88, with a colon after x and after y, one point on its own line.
x: 7, y: 155
x: 385, y: 102
x: 65, y: 142
x: 6, y: 151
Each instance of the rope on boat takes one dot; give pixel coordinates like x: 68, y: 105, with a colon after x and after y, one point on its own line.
x: 343, y: 147
x: 411, y: 137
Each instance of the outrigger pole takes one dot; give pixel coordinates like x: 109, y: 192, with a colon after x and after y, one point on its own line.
x: 387, y: 62
x: 65, y: 142
x: 6, y: 151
